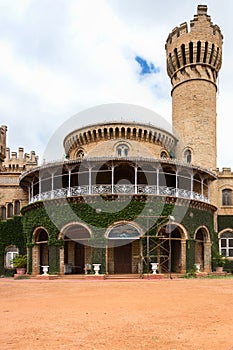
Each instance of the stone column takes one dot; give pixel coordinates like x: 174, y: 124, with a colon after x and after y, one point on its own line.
x: 39, y: 188
x: 69, y: 182
x: 62, y: 261
x: 207, y: 257
x: 191, y: 187
x: 36, y: 260
x: 177, y: 190
x: 183, y: 256
x: 135, y: 179
x: 112, y: 168
x: 52, y: 185
x: 89, y: 180
x: 157, y: 181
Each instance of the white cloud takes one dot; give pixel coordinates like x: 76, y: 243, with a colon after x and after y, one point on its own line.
x: 58, y: 58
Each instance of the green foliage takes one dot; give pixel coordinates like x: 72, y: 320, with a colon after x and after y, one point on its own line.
x: 11, y: 233
x: 191, y: 273
x: 20, y: 261
x: 219, y: 259
x: 149, y: 212
x: 54, y: 259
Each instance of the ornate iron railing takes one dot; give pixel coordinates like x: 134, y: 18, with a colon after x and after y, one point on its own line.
x: 119, y: 189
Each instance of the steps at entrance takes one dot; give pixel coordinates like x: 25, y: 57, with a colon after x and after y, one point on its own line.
x: 122, y: 276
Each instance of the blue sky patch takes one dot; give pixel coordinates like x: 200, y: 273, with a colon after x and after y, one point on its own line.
x: 146, y: 67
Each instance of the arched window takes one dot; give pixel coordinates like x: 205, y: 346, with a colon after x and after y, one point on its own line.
x: 17, y: 207
x: 226, y: 243
x: 226, y: 197
x: 124, y: 231
x: 9, y: 210
x: 11, y: 252
x: 163, y: 155
x: 80, y: 154
x: 122, y: 150
x: 188, y: 156
x: 3, y: 216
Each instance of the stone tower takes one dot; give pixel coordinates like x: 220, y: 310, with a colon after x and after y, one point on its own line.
x: 3, y: 130
x: 194, y: 59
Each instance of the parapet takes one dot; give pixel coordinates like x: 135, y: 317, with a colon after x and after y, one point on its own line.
x: 20, y: 161
x: 194, y: 54
x: 225, y: 172
x: 200, y: 24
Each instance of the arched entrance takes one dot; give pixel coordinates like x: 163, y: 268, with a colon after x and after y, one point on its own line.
x: 40, y: 252
x: 171, y: 253
x: 202, y: 249
x: 76, y: 238
x: 124, y: 248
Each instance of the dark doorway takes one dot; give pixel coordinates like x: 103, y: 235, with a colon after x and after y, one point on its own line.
x: 123, y: 259
x: 79, y: 258
x: 44, y: 256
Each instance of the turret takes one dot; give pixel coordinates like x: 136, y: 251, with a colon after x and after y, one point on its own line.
x: 194, y: 59
x: 3, y: 130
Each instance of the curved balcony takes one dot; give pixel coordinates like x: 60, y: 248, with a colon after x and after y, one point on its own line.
x: 119, y: 190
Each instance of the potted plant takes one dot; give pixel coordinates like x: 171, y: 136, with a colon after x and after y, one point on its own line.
x: 220, y: 260
x: 20, y: 263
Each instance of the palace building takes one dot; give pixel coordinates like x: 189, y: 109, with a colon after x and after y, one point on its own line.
x: 129, y: 194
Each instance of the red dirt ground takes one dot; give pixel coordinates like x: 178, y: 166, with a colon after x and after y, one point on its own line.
x: 133, y: 314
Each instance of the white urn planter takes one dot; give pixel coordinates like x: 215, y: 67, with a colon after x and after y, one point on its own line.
x: 45, y: 269
x: 96, y: 268
x: 198, y: 267
x: 154, y: 267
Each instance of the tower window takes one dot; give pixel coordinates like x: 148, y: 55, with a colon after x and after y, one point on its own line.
x: 188, y: 156
x: 17, y: 207
x: 10, y: 210
x: 226, y: 244
x: 227, y: 197
x: 3, y: 213
x: 122, y: 150
x: 80, y: 154
x: 163, y: 155
x: 191, y: 52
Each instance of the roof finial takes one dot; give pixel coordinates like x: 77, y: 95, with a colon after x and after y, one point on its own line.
x: 202, y: 9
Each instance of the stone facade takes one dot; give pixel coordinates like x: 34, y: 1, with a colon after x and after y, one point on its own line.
x: 109, y: 162
x: 13, y: 197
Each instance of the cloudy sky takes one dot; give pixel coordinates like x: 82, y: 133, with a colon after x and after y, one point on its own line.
x: 60, y: 57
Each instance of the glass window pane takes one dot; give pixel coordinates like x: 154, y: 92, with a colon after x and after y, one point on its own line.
x: 230, y: 252
x: 224, y: 252
x: 223, y: 242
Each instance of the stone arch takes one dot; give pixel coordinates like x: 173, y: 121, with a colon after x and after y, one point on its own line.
x: 75, y: 256
x: 124, y: 247
x: 172, y: 247
x: 229, y: 229
x: 124, y: 223
x: 206, y: 233
x: 66, y: 227
x: 40, y: 250
x: 203, y: 248
x: 225, y: 242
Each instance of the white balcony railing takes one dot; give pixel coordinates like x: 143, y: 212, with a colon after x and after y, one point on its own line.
x: 119, y: 189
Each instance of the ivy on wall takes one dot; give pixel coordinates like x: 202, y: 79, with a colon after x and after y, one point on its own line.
x: 148, y: 212
x: 225, y: 221
x: 11, y: 233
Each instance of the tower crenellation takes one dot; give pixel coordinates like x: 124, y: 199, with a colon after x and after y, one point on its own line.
x: 19, y: 161
x: 194, y: 54
x: 194, y: 58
